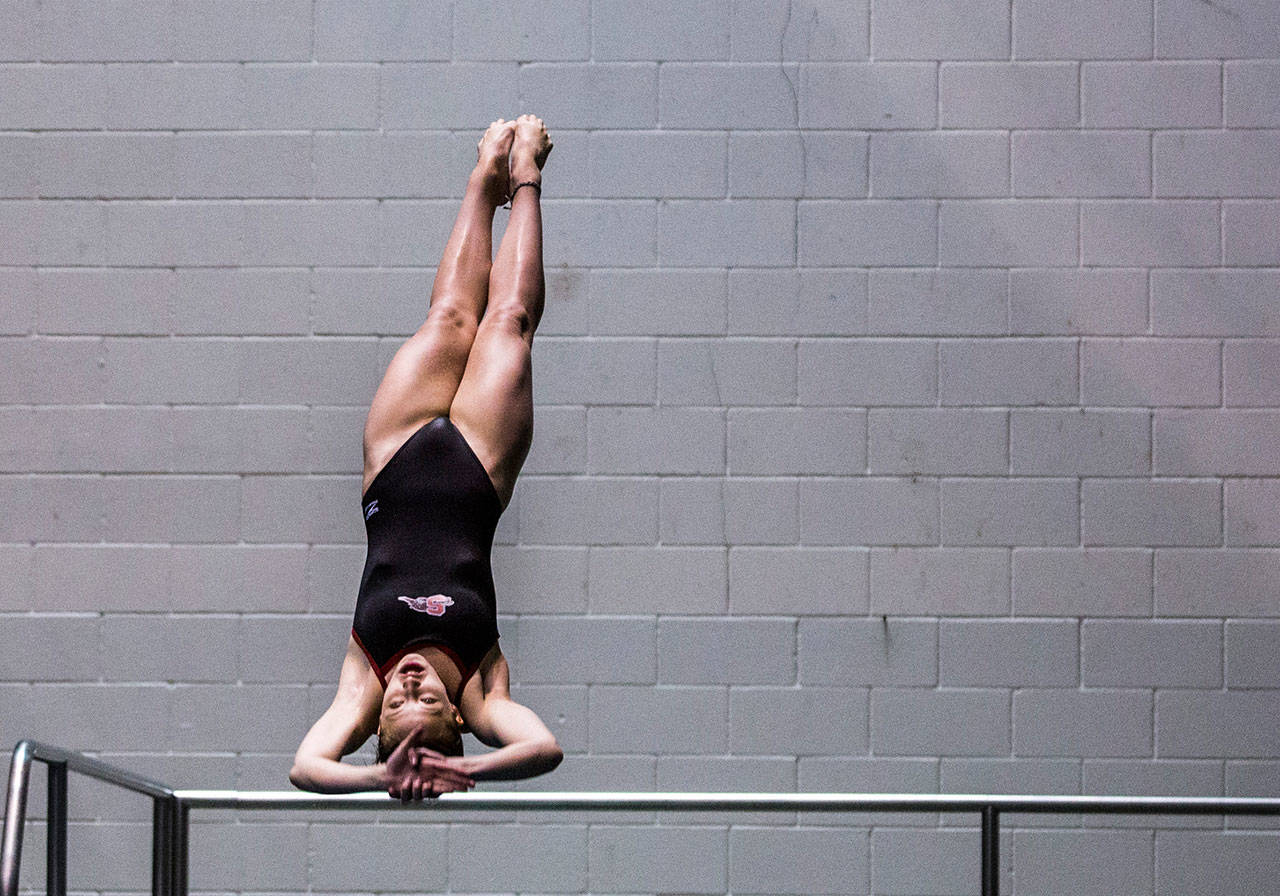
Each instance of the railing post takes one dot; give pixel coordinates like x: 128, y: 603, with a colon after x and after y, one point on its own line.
x: 15, y: 819
x: 56, y: 881
x: 161, y: 846
x: 990, y: 851
x: 179, y: 848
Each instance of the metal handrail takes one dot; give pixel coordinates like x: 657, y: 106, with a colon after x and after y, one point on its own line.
x: 172, y: 807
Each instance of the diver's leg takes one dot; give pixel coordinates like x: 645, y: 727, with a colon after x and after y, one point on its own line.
x: 494, y: 405
x: 423, y: 377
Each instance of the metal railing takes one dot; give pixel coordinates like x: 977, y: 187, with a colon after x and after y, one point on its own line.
x: 170, y: 830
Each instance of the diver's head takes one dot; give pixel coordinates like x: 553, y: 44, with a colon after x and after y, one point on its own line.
x: 415, y: 697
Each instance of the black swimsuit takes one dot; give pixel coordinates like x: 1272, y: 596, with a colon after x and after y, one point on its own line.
x: 430, y: 514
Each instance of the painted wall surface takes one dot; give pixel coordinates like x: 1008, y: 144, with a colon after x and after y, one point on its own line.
x: 907, y: 420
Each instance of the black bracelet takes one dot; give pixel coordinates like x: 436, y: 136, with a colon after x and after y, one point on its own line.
x: 528, y: 183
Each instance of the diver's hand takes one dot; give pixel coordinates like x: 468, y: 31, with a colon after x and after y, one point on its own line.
x: 441, y: 774
x: 414, y: 771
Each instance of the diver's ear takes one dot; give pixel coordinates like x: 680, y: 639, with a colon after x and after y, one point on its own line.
x: 462, y: 723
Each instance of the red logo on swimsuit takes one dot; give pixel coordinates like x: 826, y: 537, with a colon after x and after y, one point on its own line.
x: 435, y: 605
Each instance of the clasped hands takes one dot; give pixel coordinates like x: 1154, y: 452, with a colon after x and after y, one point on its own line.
x: 415, y: 771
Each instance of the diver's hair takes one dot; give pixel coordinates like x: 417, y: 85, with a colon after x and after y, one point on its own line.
x: 447, y: 741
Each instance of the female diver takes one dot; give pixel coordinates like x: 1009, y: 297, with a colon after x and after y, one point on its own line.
x: 446, y: 435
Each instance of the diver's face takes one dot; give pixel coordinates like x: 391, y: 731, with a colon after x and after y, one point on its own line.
x: 414, y: 697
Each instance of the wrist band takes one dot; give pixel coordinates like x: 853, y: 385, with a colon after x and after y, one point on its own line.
x: 528, y: 183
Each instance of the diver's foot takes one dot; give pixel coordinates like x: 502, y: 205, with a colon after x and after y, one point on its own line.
x: 493, y: 159
x: 529, y: 150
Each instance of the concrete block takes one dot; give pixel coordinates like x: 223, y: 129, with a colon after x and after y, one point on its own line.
x: 1152, y: 513
x: 292, y: 649
x: 17, y: 311
x: 937, y: 441
x: 104, y: 302
x: 592, y: 95
x: 807, y: 31
x: 1252, y: 510
x: 111, y: 852
x: 1216, y: 163
x: 939, y: 164
x: 765, y: 721
x: 588, y: 651
x: 560, y: 442
x: 1008, y: 95
x: 20, y: 223
x: 101, y: 717
x: 776, y: 302
x: 171, y: 509
x: 241, y: 166
x: 329, y: 848
x: 1092, y: 29
x: 940, y: 581
x: 16, y: 566
x: 931, y: 29
x: 21, y: 43
x: 1215, y: 442
x: 382, y: 31
x: 451, y: 95
x: 236, y: 578
x: 239, y: 440
x: 692, y: 511
x: 68, y: 232
x: 547, y: 859
x: 798, y: 581
x: 1216, y: 724
x: 663, y: 580
x: 253, y: 855
x: 299, y: 509
x: 1150, y: 372
x: 1150, y: 94
x: 1154, y: 654
x: 22, y: 154
x: 1013, y: 371
x: 656, y: 440
x: 240, y: 30
x: 999, y: 233
x: 726, y: 651
x: 214, y: 717
x: 163, y: 371
x: 796, y: 441
x: 662, y: 720
x: 589, y: 511
x: 658, y: 302
x: 1251, y: 233
x: 100, y: 440
x: 1047, y: 302
x: 123, y: 31
x: 836, y: 372
x: 609, y: 372
x: 1079, y: 442
x: 917, y: 722
x: 1186, y: 29
x: 870, y: 233
x: 89, y: 166
x: 875, y: 652
x: 1249, y: 372
x: 921, y: 861
x: 1106, y: 164
x: 818, y: 860
x: 595, y: 234
x: 1156, y: 778
x: 334, y: 439
x: 729, y: 233
x: 1087, y: 723
x: 869, y: 511
x: 332, y: 576
x: 773, y: 165
x: 541, y: 579
x: 938, y: 302
x: 1226, y: 303
x: 727, y: 372
x: 51, y: 648
x: 1010, y: 776
x: 658, y: 860
x: 1084, y: 862
x: 53, y: 97
x: 1016, y: 654
x: 835, y: 164
x: 201, y: 648
x: 1131, y: 232
x: 716, y: 774
x: 1251, y: 94
x: 658, y: 165
x: 761, y: 511
x: 184, y: 233
x: 563, y: 708
x: 1232, y: 582
x: 672, y: 30
x: 745, y: 96
x: 537, y: 32
x: 1187, y: 861
x: 64, y: 509
x: 155, y: 96
x: 227, y: 301
x: 868, y: 96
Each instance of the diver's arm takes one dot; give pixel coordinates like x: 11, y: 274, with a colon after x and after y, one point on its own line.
x: 525, y: 746
x: 348, y: 722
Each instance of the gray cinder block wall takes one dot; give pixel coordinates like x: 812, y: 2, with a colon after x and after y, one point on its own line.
x: 907, y: 420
